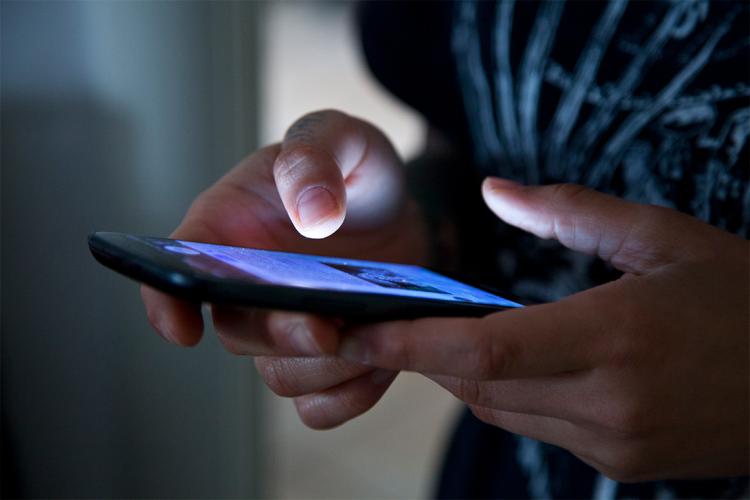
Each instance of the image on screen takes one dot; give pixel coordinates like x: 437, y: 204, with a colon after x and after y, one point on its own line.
x: 384, y: 277
x: 336, y: 274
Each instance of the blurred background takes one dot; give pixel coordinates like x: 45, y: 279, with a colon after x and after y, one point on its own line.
x: 114, y: 116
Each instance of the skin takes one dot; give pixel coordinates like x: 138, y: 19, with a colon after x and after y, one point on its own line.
x: 643, y: 378
x: 257, y: 204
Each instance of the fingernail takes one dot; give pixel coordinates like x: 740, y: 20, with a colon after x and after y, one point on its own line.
x: 315, y: 205
x: 302, y: 340
x: 353, y: 349
x: 381, y: 376
x: 498, y: 183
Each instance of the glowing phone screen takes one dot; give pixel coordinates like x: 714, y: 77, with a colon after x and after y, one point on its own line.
x: 336, y: 274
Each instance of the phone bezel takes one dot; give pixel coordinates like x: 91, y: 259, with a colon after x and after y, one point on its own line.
x: 129, y: 255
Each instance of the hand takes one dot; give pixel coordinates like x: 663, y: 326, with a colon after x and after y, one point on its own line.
x: 332, y: 174
x: 643, y: 378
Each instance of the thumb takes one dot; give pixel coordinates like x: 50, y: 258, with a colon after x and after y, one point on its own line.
x: 632, y: 237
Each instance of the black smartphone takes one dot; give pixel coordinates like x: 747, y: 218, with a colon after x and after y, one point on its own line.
x: 352, y: 288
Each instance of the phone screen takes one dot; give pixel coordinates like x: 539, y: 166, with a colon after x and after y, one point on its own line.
x: 328, y: 273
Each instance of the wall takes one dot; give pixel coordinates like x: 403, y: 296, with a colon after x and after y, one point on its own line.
x: 114, y: 116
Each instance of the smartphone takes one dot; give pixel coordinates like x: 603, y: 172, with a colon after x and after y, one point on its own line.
x: 350, y: 288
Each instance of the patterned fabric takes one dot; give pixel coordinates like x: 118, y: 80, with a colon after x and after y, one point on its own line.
x: 649, y: 101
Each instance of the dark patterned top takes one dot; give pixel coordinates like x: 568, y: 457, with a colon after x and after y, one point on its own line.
x: 649, y: 101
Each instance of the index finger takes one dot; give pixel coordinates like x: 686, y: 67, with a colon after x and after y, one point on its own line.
x: 331, y: 165
x: 532, y: 341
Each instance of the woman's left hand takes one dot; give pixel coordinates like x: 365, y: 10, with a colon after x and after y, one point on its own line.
x: 643, y: 378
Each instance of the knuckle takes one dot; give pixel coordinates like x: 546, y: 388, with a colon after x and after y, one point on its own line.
x: 492, y: 357
x: 393, y: 350
x: 239, y: 330
x: 626, y: 352
x: 484, y: 363
x: 623, y: 346
x: 343, y: 369
x: 568, y: 192
x: 305, y: 126
x: 651, y: 245
x: 624, y: 463
x: 288, y: 166
x: 627, y: 420
x: 230, y: 344
x: 483, y: 414
x: 225, y: 329
x: 566, y: 223
x: 469, y: 391
x: 623, y: 353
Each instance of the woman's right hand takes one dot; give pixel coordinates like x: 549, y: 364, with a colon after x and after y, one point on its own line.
x: 334, y: 186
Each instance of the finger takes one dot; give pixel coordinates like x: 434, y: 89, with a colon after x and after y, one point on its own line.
x: 176, y: 320
x: 333, y: 407
x: 259, y: 332
x: 532, y: 341
x: 550, y: 430
x: 241, y: 208
x: 292, y: 377
x: 563, y: 396
x: 222, y: 214
x: 585, y: 444
x: 633, y: 237
x: 327, y: 156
